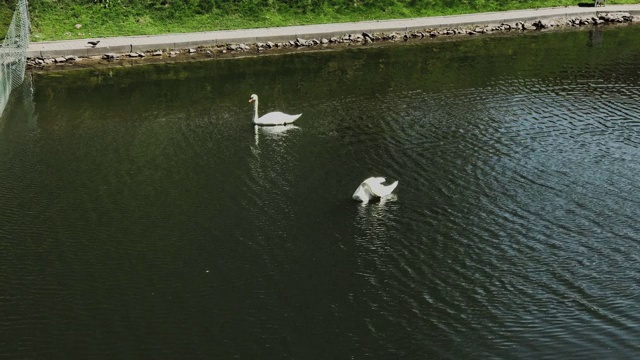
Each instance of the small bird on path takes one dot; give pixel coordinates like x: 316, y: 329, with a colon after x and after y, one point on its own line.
x: 93, y: 43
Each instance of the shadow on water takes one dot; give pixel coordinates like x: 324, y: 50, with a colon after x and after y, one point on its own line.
x: 596, y: 37
x: 20, y: 109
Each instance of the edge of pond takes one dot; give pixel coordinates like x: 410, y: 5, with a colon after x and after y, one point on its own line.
x: 134, y: 50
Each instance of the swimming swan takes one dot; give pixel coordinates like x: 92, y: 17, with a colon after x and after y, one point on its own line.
x: 372, y: 188
x: 272, y: 118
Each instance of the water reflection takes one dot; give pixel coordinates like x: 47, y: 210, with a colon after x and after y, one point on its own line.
x: 272, y: 132
x: 596, y: 36
x: 21, y: 106
x: 377, y: 214
x: 513, y: 233
x: 272, y: 181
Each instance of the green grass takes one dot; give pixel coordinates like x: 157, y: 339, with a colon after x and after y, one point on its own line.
x: 6, y: 14
x: 56, y: 19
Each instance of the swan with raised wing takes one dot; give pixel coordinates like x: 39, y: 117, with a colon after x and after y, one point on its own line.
x: 373, y: 187
x: 272, y: 118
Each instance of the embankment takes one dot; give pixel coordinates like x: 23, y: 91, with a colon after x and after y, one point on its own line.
x: 217, y: 44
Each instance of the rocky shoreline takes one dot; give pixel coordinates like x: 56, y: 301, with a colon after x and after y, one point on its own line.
x: 364, y: 38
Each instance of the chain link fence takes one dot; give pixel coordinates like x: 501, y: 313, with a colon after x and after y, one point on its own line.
x: 13, y: 53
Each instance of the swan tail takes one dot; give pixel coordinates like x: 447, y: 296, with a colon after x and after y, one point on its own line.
x: 294, y: 118
x: 392, y: 187
x: 385, y: 190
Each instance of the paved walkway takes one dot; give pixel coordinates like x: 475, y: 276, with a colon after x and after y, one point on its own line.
x: 279, y: 34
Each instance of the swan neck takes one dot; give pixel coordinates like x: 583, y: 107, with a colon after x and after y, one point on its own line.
x: 255, y: 110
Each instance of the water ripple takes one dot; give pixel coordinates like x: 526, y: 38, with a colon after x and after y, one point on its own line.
x: 169, y: 220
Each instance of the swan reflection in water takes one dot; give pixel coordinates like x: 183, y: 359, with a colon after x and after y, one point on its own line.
x: 377, y: 223
x: 377, y: 214
x: 273, y: 132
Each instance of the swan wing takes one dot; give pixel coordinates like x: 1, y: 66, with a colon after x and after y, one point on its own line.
x: 276, y: 118
x: 364, y: 192
x: 374, y: 181
x: 381, y: 190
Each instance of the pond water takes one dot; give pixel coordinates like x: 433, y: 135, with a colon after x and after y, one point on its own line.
x: 143, y: 216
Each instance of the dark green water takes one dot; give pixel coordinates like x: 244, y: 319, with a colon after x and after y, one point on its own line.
x: 143, y: 216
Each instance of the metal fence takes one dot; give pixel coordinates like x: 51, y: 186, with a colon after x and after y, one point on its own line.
x: 13, y: 53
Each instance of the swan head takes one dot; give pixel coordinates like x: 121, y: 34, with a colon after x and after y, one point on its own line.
x: 253, y: 98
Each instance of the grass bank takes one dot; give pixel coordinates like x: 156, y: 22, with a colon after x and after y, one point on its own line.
x: 58, y: 19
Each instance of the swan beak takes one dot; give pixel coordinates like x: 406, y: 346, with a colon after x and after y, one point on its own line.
x: 250, y: 100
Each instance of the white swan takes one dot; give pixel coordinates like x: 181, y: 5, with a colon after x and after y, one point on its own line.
x: 373, y: 188
x: 272, y: 118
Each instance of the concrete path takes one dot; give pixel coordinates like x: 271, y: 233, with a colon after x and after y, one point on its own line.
x: 279, y: 34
